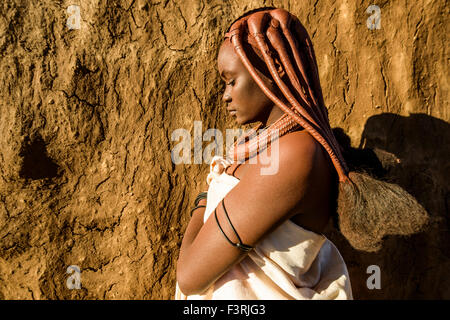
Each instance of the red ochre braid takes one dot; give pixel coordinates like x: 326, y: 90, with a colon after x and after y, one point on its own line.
x: 285, y: 33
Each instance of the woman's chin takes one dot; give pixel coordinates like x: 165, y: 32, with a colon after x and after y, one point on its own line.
x: 237, y: 119
x: 241, y: 121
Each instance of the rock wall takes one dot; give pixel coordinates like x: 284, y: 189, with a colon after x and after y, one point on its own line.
x: 89, y: 103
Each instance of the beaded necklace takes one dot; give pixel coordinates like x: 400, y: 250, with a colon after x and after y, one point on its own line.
x: 252, y: 142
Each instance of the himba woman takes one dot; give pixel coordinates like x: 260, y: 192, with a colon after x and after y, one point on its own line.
x: 259, y: 236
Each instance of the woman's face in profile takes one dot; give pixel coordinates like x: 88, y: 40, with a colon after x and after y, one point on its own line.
x: 245, y: 99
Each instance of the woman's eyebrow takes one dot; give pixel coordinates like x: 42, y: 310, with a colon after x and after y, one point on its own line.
x: 225, y: 73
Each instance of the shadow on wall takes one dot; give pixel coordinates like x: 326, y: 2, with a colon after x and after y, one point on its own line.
x: 412, y: 152
x: 36, y: 162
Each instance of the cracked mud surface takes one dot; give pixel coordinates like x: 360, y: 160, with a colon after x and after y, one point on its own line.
x: 86, y: 176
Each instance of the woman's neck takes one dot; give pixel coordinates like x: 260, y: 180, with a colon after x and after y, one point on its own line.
x: 273, y: 116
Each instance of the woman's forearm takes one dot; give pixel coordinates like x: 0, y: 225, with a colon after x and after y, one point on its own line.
x: 194, y: 226
x: 192, y: 230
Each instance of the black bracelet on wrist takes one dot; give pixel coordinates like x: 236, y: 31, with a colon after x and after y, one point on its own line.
x: 201, y: 195
x: 196, y: 207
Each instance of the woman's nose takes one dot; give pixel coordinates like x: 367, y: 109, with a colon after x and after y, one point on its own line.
x: 226, y: 97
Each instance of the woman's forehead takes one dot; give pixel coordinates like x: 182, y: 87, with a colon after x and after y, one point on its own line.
x: 226, y: 51
x: 227, y: 59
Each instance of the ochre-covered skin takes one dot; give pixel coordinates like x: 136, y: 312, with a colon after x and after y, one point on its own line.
x: 285, y: 34
x: 368, y: 209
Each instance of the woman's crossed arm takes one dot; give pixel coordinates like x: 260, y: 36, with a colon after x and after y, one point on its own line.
x: 256, y: 206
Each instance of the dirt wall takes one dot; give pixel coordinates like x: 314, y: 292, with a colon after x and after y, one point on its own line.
x: 88, y: 104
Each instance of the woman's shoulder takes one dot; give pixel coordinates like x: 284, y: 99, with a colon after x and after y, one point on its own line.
x: 298, y: 144
x: 291, y: 147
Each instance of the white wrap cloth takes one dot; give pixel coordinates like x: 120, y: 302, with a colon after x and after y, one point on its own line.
x: 291, y: 263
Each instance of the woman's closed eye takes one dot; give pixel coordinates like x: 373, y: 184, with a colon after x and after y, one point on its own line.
x: 230, y: 83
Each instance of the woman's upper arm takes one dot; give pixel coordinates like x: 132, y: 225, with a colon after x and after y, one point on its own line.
x: 256, y: 206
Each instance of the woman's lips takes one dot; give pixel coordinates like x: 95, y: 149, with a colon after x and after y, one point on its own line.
x: 233, y: 112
